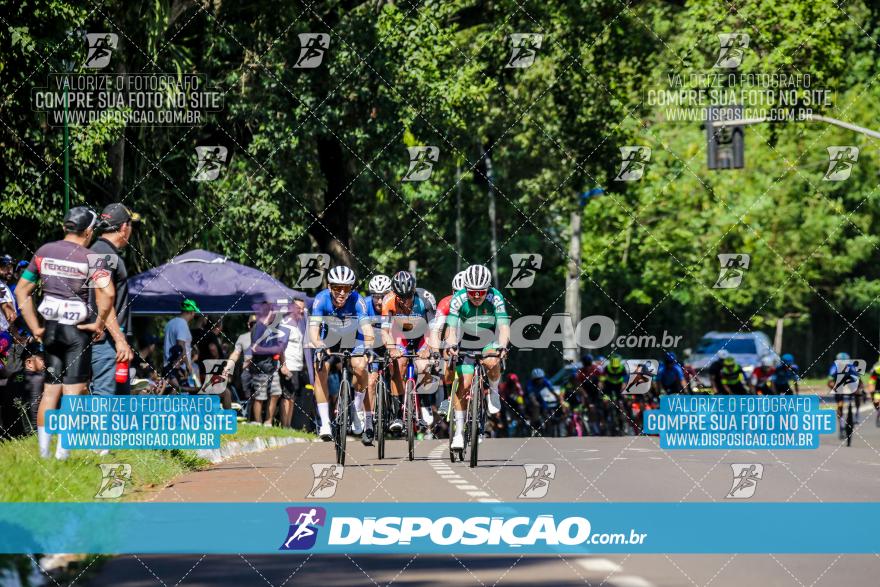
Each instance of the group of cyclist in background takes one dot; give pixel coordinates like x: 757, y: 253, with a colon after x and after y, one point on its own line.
x: 590, y: 399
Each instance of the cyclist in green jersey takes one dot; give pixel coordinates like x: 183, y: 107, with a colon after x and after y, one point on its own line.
x: 478, y: 318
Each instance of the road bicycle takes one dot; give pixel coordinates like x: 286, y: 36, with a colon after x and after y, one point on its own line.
x: 411, y: 401
x: 383, y: 404
x: 476, y: 407
x: 342, y: 420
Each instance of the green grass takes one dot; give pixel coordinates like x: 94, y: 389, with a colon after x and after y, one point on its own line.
x: 249, y: 432
x: 24, y: 476
x: 817, y: 386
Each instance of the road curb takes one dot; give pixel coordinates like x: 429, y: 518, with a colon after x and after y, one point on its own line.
x: 234, y: 449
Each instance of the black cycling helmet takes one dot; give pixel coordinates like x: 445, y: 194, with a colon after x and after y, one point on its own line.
x: 403, y: 284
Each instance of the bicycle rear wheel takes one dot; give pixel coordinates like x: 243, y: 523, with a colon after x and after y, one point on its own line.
x: 380, y: 415
x: 474, y: 409
x: 342, y: 418
x: 411, y: 420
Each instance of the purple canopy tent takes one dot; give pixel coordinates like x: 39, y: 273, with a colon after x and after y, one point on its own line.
x: 218, y: 286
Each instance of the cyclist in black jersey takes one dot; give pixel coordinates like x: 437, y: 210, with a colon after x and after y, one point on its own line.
x: 69, y: 325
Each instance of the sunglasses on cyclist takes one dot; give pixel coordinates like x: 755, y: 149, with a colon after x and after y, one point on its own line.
x: 340, y: 288
x: 477, y: 293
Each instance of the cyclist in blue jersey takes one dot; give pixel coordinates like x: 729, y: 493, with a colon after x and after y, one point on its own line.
x: 670, y: 375
x: 786, y: 376
x: 339, y: 321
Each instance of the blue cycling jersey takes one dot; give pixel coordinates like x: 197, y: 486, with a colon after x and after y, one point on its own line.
x: 350, y: 315
x: 670, y: 375
x: 785, y: 374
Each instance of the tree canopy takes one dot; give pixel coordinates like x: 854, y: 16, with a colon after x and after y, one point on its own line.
x: 316, y: 156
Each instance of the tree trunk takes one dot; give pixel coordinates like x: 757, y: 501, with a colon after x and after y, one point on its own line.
x: 331, y: 230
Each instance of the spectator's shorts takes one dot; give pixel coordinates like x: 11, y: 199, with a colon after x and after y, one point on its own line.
x: 68, y: 352
x: 293, y: 386
x: 264, y: 380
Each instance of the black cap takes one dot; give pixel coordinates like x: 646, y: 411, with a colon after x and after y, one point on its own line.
x: 6, y: 260
x: 117, y: 214
x: 79, y: 219
x: 32, y: 349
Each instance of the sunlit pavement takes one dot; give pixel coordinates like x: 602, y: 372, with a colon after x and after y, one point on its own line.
x: 587, y: 469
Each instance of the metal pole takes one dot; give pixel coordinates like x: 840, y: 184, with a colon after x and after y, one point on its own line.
x: 807, y: 118
x: 458, y: 217
x: 66, y: 152
x: 493, y: 247
x: 573, y: 285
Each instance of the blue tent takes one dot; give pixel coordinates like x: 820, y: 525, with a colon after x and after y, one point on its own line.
x: 218, y: 286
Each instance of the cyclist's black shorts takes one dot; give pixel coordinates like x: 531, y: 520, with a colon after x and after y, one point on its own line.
x: 612, y: 390
x: 380, y: 352
x: 673, y: 388
x: 68, y: 352
x: 783, y: 389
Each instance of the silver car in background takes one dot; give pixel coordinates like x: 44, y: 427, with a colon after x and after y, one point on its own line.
x: 748, y: 348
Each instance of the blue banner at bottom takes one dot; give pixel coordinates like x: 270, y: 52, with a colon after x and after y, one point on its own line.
x: 477, y: 528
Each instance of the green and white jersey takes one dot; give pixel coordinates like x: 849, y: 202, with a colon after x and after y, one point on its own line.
x: 471, y: 318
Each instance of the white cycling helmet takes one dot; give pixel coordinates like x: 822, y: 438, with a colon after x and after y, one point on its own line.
x: 477, y: 277
x: 458, y: 281
x: 340, y: 275
x: 380, y: 284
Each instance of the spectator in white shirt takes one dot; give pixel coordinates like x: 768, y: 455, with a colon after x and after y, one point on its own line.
x: 293, y: 374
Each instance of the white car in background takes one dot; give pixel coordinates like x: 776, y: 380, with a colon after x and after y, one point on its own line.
x: 748, y: 348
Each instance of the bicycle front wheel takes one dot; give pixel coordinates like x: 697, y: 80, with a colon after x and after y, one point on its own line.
x: 342, y: 418
x: 380, y: 415
x: 410, y: 419
x: 474, y: 417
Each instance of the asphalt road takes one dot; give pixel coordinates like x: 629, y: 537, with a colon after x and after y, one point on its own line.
x: 588, y: 469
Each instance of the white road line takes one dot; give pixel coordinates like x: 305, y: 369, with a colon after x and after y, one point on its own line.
x: 599, y: 565
x: 610, y: 568
x: 478, y: 494
x: 629, y: 581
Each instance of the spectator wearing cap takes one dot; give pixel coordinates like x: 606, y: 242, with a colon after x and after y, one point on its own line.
x: 116, y: 225
x: 177, y: 333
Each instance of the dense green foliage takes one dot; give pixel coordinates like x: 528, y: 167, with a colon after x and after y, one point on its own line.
x: 317, y: 155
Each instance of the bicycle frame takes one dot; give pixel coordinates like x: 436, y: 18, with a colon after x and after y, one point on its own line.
x: 411, y: 403
x: 343, y: 403
x: 382, y: 409
x: 476, y: 406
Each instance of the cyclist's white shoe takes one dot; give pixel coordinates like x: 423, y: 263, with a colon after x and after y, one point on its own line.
x: 427, y: 416
x: 458, y: 442
x: 494, y: 403
x: 357, y: 425
x: 325, y: 433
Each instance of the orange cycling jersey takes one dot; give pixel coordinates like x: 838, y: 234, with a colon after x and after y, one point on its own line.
x: 406, y: 320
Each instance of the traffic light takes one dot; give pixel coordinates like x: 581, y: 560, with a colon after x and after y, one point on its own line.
x: 725, y: 144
